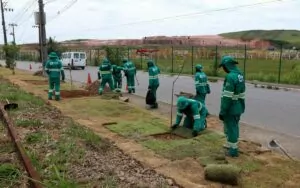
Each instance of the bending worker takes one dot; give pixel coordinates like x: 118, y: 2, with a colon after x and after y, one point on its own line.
x: 130, y: 73
x: 232, y: 103
x: 105, y: 73
x: 195, y: 113
x: 153, y: 72
x: 55, y: 70
x: 202, y: 87
x: 117, y: 75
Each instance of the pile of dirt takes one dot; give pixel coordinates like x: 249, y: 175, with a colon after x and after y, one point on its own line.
x: 38, y: 73
x: 94, y: 87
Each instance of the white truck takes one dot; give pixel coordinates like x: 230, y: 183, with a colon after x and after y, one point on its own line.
x: 74, y: 59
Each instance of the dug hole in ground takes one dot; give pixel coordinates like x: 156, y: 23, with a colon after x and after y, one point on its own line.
x: 138, y: 134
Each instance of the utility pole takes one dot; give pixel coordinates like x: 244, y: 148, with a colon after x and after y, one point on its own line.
x: 3, y: 8
x: 3, y: 23
x: 40, y: 41
x: 42, y: 22
x: 13, y: 25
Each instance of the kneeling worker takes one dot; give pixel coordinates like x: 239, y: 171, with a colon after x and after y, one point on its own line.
x: 195, y: 113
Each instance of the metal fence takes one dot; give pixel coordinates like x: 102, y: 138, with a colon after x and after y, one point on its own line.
x: 279, y: 65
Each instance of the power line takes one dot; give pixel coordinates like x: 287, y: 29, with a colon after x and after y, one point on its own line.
x: 64, y: 9
x: 25, y: 9
x: 50, y: 1
x: 187, y: 15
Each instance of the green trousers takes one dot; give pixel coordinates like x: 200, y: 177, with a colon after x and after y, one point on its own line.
x: 131, y: 83
x: 200, y: 97
x: 105, y: 80
x: 54, y: 83
x: 231, y: 131
x: 118, y: 83
x: 154, y: 89
x: 189, y: 121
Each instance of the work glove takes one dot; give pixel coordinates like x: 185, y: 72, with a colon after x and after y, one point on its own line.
x: 195, y: 133
x: 221, y: 117
x: 174, y: 126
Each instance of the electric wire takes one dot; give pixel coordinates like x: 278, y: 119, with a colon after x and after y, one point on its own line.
x: 187, y: 15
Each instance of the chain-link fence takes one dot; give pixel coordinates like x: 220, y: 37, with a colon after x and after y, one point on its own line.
x: 274, y: 65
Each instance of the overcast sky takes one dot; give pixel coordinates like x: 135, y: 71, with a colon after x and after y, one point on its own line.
x: 107, y: 19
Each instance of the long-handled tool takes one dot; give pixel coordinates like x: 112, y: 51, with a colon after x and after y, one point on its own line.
x: 137, y: 81
x: 274, y: 144
x: 10, y: 106
x: 70, y: 69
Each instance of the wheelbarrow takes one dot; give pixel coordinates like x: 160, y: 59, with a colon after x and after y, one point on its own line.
x: 10, y: 106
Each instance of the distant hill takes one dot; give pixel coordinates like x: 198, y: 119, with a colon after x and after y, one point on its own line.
x: 289, y: 38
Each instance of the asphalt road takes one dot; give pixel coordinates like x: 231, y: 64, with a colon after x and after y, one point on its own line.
x: 275, y: 110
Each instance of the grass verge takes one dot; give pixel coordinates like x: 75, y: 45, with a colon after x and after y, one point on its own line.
x: 206, y: 148
x: 67, y: 154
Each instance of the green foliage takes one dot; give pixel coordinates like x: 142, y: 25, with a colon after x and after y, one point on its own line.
x: 11, y: 51
x: 115, y: 54
x: 53, y: 46
x: 9, y: 173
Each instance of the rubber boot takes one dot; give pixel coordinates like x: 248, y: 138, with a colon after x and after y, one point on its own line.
x: 50, y: 95
x: 57, y: 97
x: 232, y: 152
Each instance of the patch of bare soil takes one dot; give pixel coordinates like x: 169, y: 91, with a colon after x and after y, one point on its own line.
x: 38, y: 73
x: 37, y: 82
x: 74, y: 93
x: 166, y: 136
x: 94, y: 87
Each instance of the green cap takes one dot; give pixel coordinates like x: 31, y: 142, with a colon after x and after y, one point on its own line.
x: 228, y: 60
x: 52, y: 55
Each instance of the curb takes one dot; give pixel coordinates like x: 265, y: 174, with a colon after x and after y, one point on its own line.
x: 273, y: 87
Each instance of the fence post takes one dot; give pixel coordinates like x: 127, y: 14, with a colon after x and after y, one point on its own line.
x: 128, y: 53
x: 141, y: 57
x: 245, y: 57
x: 216, y: 62
x: 172, y: 59
x: 280, y: 60
x: 192, y: 60
x: 90, y: 57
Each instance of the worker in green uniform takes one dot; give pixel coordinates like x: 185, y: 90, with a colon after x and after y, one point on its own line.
x: 153, y: 72
x: 202, y: 87
x: 117, y: 75
x: 105, y: 73
x: 232, y: 103
x: 130, y: 73
x: 195, y: 113
x: 55, y: 70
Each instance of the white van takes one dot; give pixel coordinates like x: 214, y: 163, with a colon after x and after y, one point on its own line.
x: 74, y: 59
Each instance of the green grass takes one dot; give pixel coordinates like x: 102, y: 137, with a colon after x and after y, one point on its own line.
x: 35, y: 137
x: 139, y: 128
x: 202, y: 146
x: 9, y: 175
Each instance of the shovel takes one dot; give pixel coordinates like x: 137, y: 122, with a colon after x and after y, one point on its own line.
x: 10, y: 106
x: 274, y: 144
